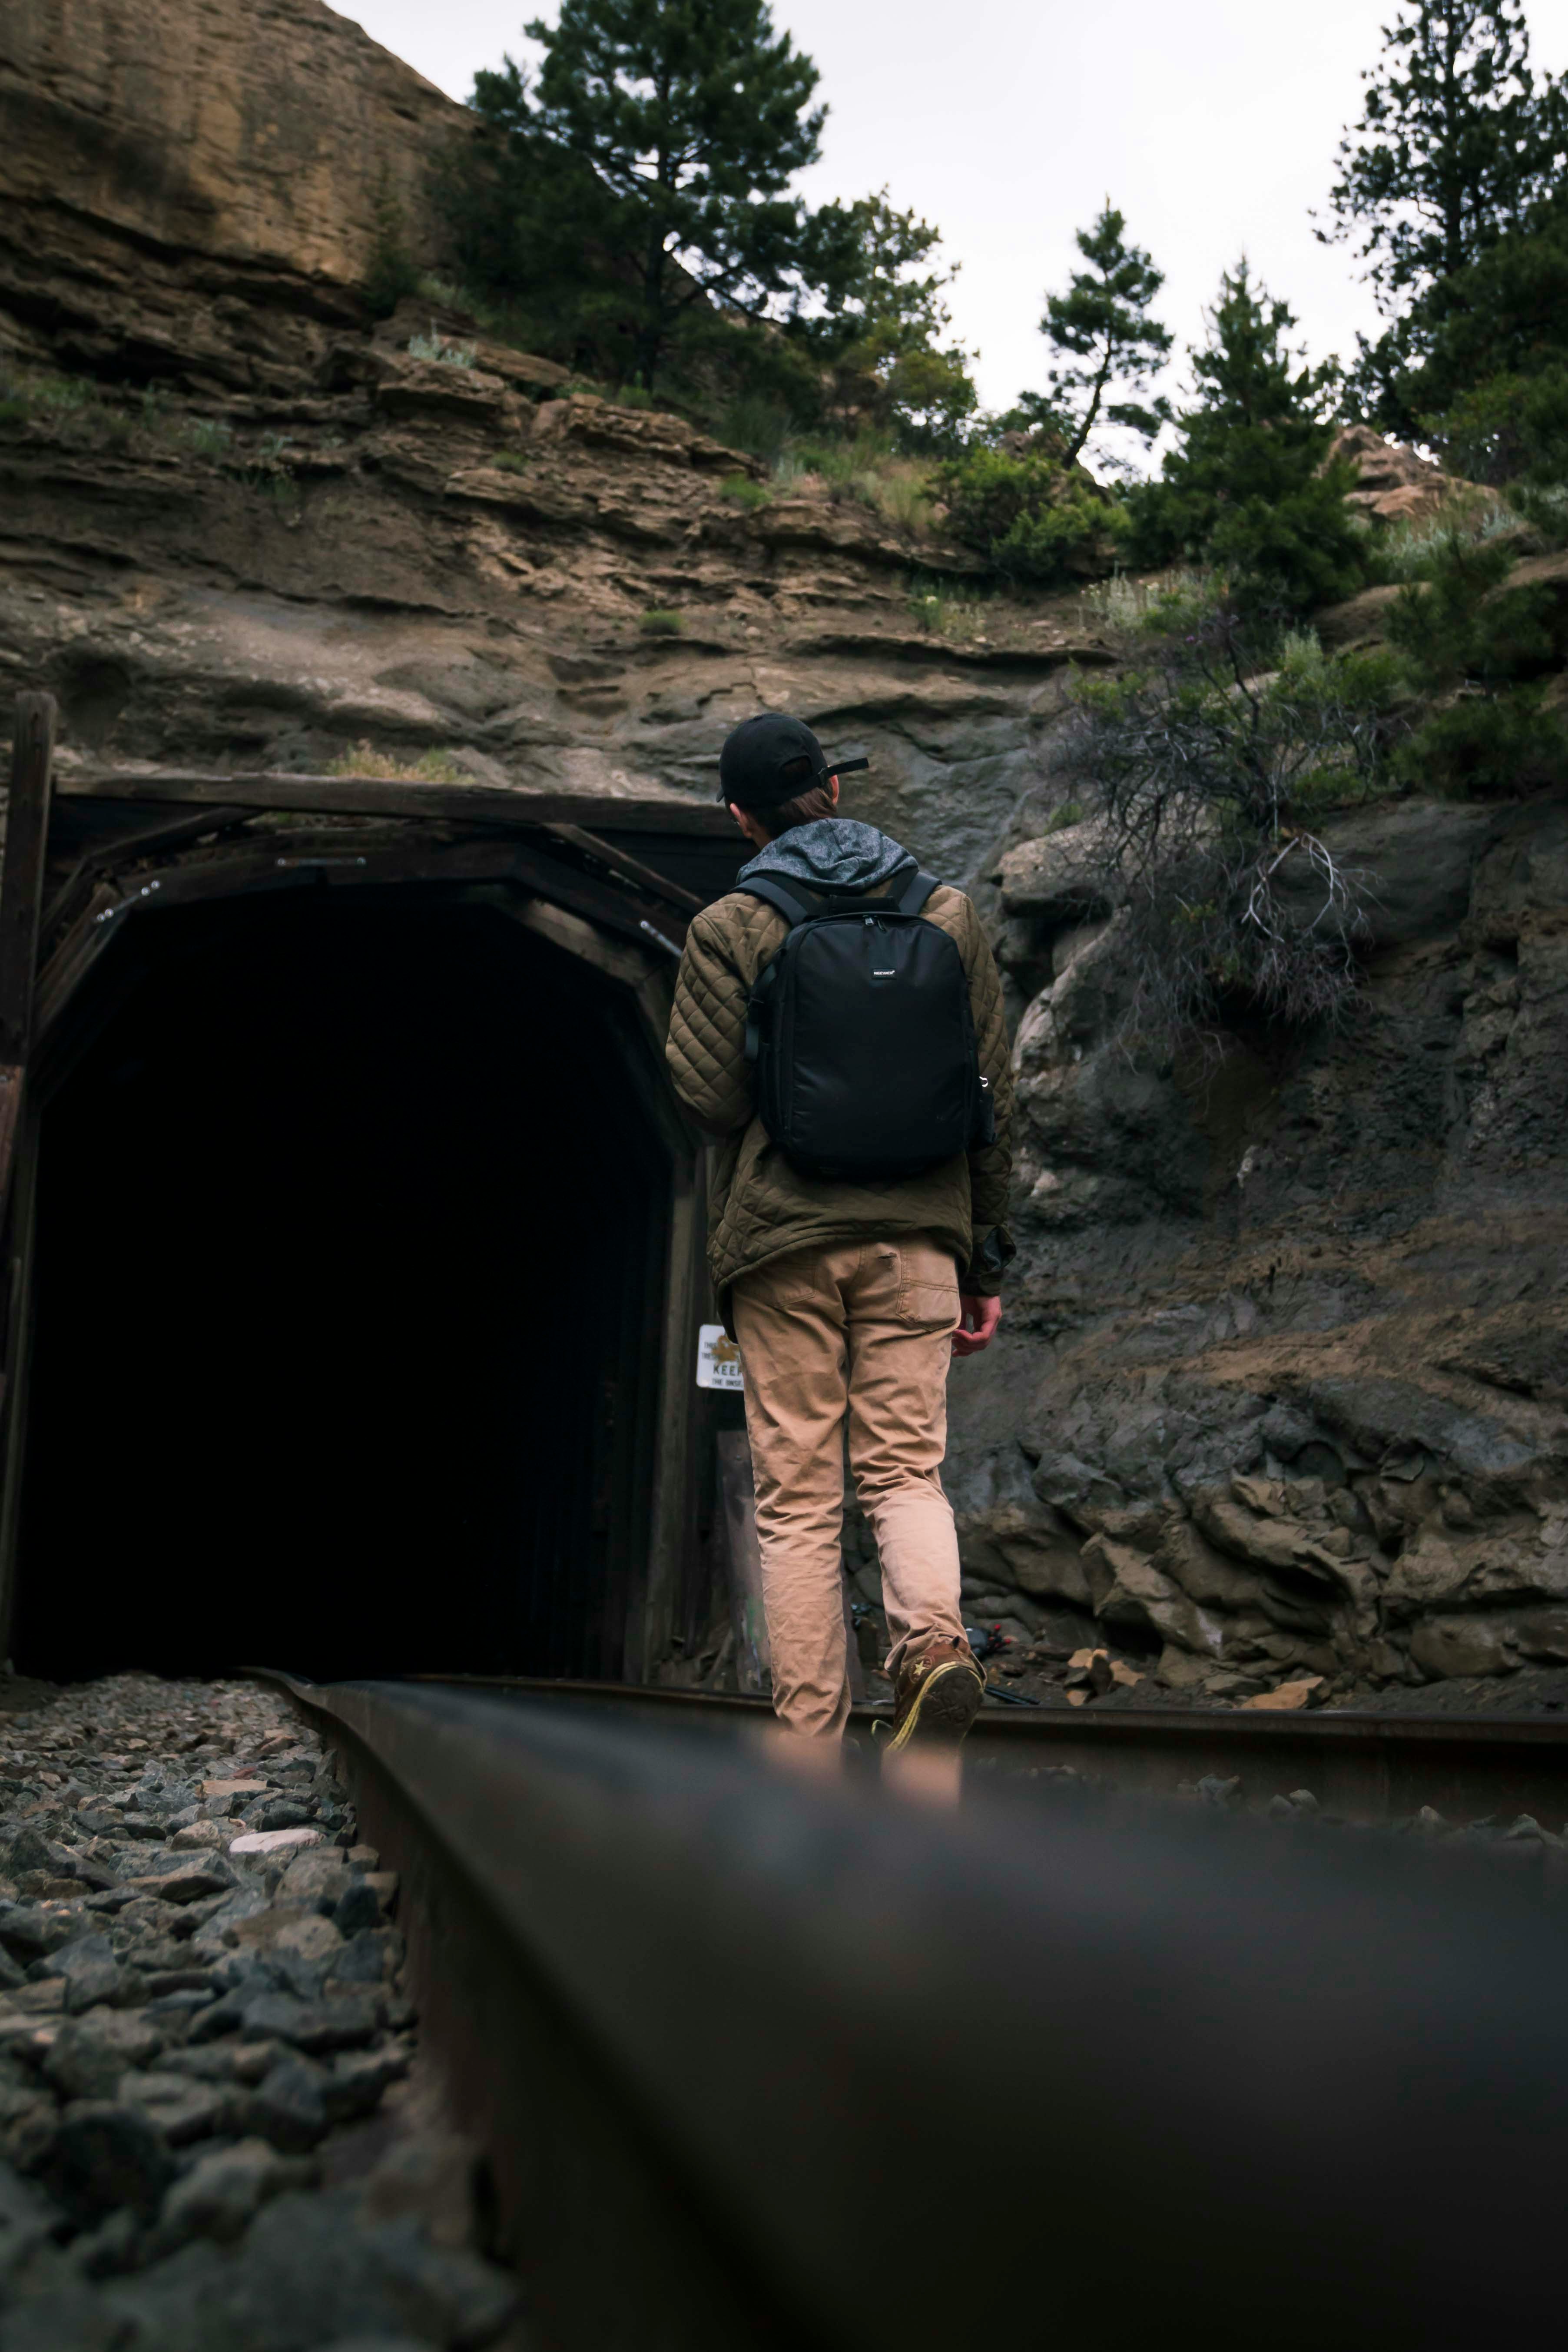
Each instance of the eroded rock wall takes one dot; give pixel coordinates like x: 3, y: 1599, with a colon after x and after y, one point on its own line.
x: 1286, y: 1383
x: 194, y: 189
x: 421, y: 558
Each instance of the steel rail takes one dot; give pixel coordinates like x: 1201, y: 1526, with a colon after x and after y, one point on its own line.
x: 761, y: 2058
x: 1359, y: 1765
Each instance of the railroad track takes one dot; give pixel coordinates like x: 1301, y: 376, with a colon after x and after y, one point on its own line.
x: 761, y: 2059
x: 1362, y: 1767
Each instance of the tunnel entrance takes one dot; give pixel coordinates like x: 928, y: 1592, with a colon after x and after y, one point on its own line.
x: 352, y: 1222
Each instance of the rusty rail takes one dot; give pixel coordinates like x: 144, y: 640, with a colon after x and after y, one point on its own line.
x: 1361, y: 1767
x: 762, y: 2060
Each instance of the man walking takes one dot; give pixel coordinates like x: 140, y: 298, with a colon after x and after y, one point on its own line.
x: 861, y: 1086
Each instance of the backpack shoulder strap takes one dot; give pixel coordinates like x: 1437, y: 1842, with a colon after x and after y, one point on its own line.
x: 915, y: 893
x: 793, y: 902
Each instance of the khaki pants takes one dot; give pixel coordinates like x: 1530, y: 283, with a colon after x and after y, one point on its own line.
x: 862, y: 1330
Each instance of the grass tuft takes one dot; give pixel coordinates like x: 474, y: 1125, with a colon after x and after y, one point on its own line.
x: 431, y: 768
x: 742, y: 490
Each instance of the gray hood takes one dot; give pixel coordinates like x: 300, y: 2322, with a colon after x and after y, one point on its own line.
x: 831, y: 853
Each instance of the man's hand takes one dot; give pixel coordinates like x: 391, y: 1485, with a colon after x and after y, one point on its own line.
x: 977, y: 1321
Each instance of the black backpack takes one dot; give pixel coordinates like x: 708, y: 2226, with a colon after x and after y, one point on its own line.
x: 862, y: 1038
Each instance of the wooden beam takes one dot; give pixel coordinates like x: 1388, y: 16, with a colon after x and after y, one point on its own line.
x: 620, y: 861
x: 383, y: 796
x: 21, y: 903
x: 22, y: 882
x: 129, y: 847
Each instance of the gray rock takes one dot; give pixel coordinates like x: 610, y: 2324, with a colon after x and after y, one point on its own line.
x: 288, y: 2105
x: 194, y: 1875
x: 25, y: 1849
x: 319, y: 1875
x: 314, y: 2026
x: 309, y: 2272
x: 357, y: 2080
x: 66, y: 2319
x: 1285, y: 1431
x: 1417, y: 860
x: 91, y: 1970
x: 27, y: 1933
x: 212, y: 1939
x: 281, y: 1813
x: 1386, y: 1416
x: 376, y: 2344
x: 357, y: 1908
x: 367, y: 1958
x: 182, y: 2108
x: 27, y: 2220
x: 90, y: 2054
x: 223, y: 2192
x: 104, y: 2156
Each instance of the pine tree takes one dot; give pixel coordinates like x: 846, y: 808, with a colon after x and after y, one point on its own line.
x: 1247, y: 489
x: 1459, y: 144
x: 1102, y: 326
x: 693, y: 117
x: 879, y: 323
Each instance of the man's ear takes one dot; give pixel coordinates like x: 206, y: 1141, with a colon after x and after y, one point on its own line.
x: 833, y: 789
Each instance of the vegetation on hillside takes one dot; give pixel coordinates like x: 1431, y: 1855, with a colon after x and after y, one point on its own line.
x: 1247, y: 487
x: 1207, y: 761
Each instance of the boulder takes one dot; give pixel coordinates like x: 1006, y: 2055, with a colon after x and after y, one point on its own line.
x: 1393, y: 484
x: 1060, y: 877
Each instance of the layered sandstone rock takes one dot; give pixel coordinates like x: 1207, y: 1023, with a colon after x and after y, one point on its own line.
x: 1393, y: 485
x: 196, y: 189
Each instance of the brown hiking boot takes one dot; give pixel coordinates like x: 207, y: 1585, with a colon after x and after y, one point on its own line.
x: 937, y: 1694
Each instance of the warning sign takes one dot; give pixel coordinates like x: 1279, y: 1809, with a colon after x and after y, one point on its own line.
x: 718, y: 1359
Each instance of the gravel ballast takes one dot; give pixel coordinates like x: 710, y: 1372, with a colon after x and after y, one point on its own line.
x: 216, y: 2134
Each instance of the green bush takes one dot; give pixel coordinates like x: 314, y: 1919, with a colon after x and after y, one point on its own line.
x: 1034, y: 519
x: 442, y: 348
x: 759, y: 425
x: 391, y: 273
x: 1206, y: 771
x: 742, y: 490
x: 210, y: 436
x: 1478, y: 651
x: 659, y: 622
x: 510, y: 461
x: 1508, y: 428
x: 1485, y: 747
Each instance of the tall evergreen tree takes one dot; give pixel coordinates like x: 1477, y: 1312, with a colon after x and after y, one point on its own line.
x: 1459, y: 143
x: 1247, y: 489
x: 1108, y: 343
x: 880, y: 320
x: 693, y: 116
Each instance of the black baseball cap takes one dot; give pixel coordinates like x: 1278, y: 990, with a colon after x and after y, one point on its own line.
x: 757, y: 753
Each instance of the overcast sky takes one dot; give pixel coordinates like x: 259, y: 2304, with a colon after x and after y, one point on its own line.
x: 1212, y: 123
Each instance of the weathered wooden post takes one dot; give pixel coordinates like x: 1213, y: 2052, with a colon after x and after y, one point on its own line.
x: 21, y: 904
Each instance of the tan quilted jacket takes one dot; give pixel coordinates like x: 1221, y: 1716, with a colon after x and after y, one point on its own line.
x: 758, y: 1206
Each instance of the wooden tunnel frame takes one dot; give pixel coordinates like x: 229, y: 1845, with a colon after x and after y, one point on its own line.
x: 584, y: 873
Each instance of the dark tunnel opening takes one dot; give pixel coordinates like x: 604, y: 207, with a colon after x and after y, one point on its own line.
x: 352, y: 1232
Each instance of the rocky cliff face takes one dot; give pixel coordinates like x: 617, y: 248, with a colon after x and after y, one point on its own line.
x: 193, y: 189
x: 421, y: 558
x: 1282, y: 1389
